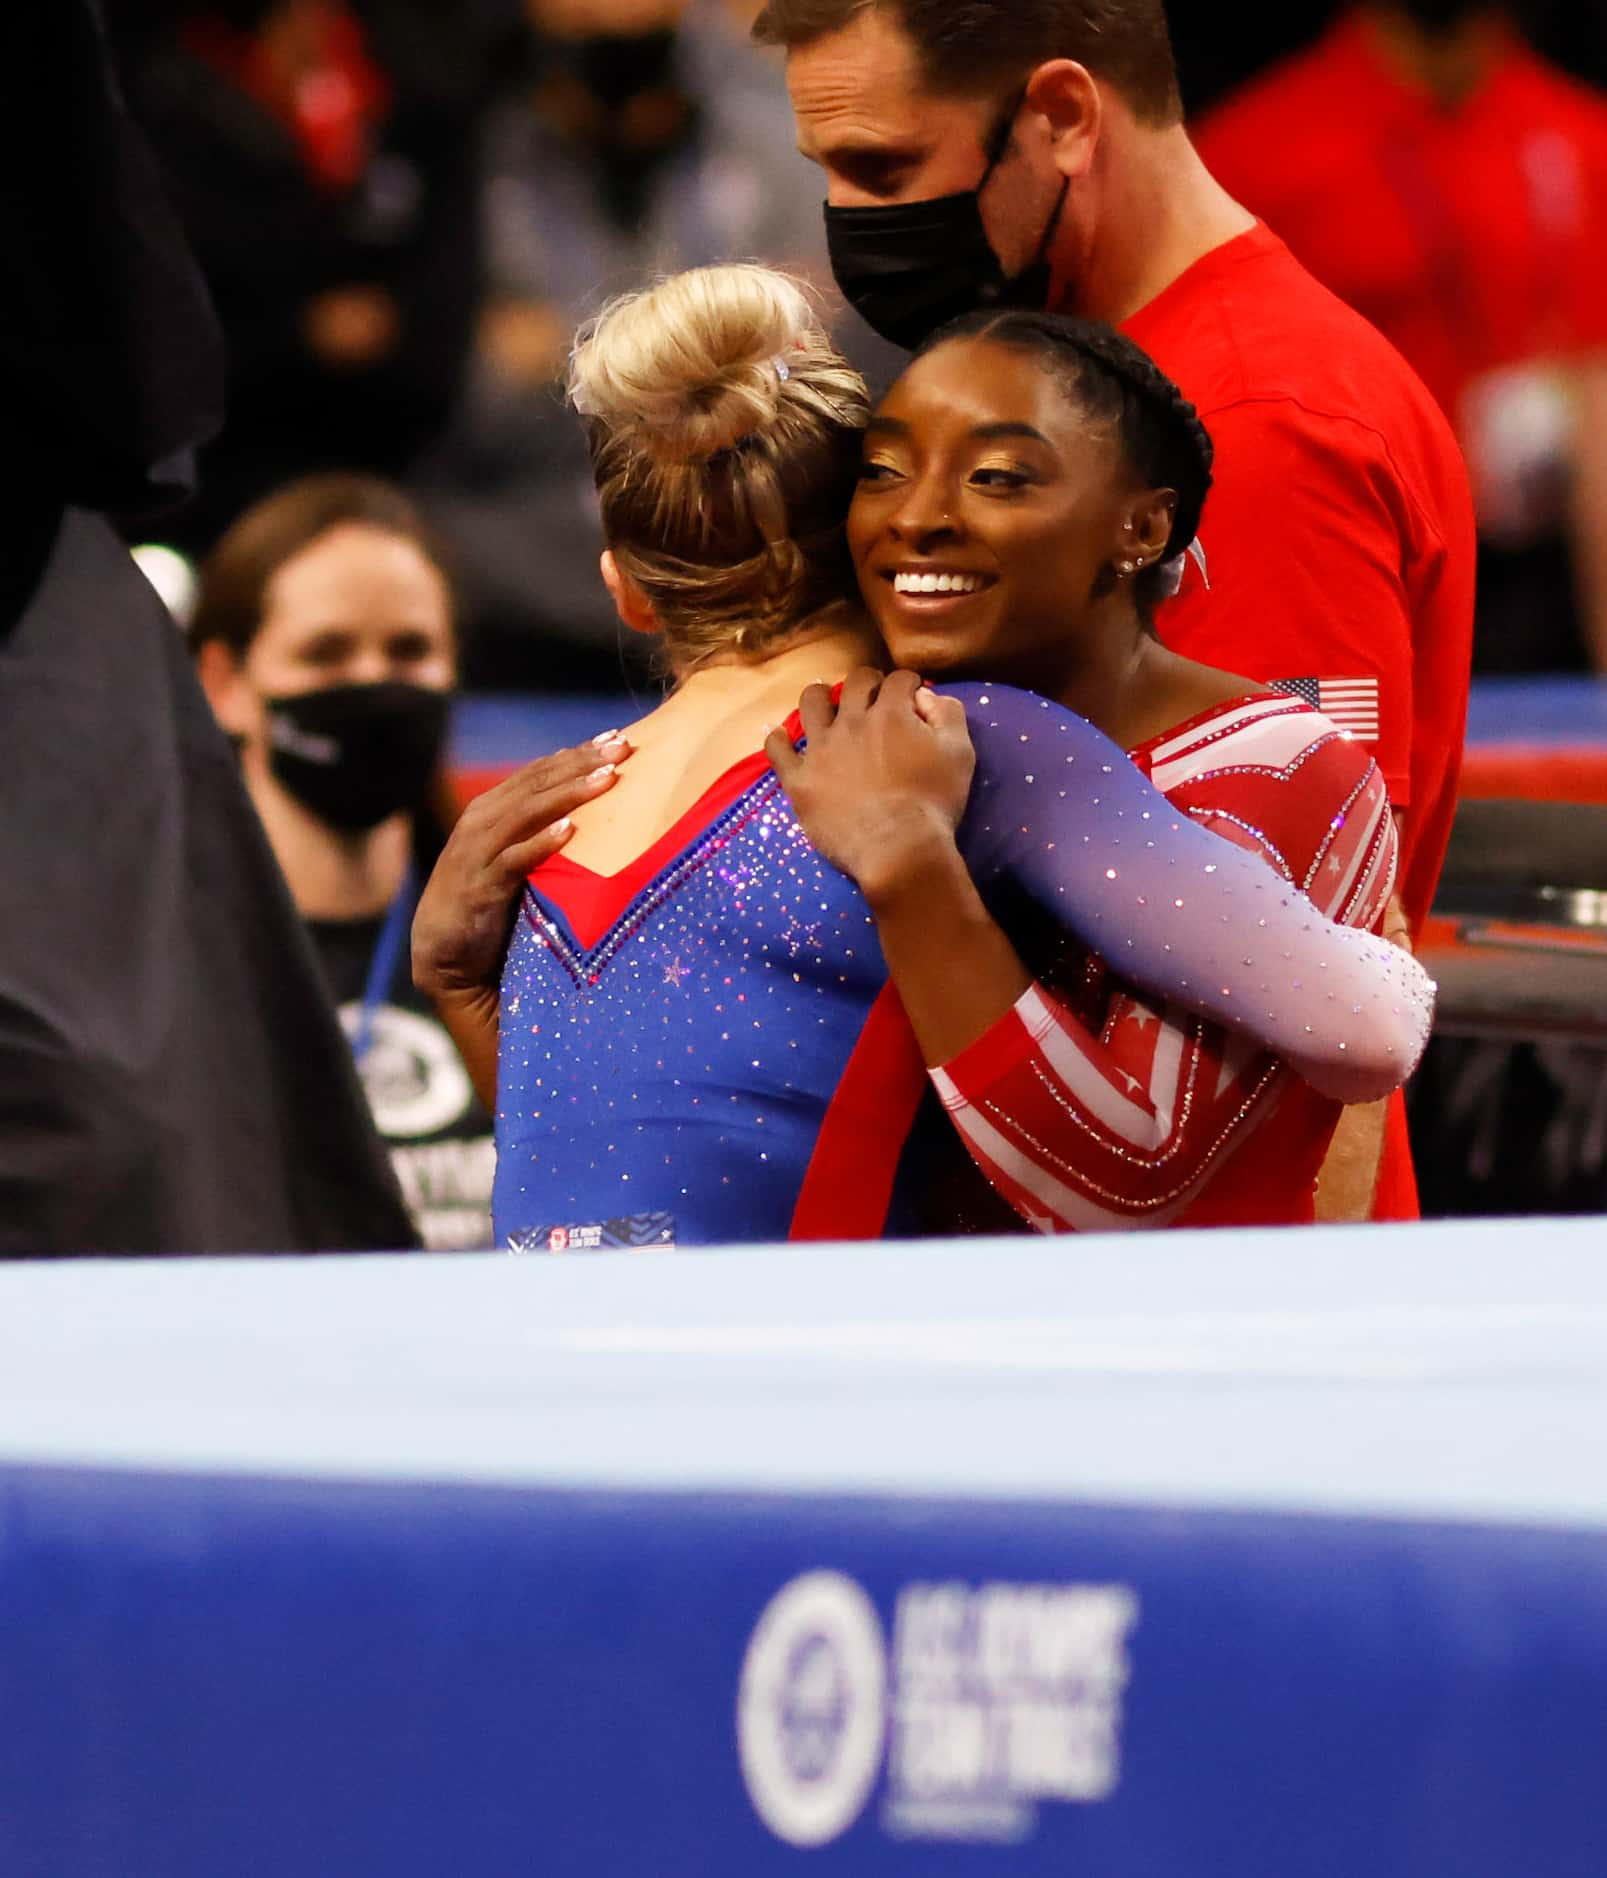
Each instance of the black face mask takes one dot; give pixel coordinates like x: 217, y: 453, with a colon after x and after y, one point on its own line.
x: 357, y: 754
x: 910, y: 267
x: 615, y: 70
x: 1440, y: 16
x: 617, y: 67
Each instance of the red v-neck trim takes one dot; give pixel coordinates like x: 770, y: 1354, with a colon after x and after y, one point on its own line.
x: 594, y: 903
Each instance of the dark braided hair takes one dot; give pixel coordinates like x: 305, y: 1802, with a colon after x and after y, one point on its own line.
x: 1160, y: 432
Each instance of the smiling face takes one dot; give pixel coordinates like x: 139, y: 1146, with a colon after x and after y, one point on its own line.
x: 991, y: 518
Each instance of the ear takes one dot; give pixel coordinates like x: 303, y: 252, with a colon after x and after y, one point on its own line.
x: 634, y: 608
x: 1067, y: 97
x: 1146, y: 529
x: 234, y: 703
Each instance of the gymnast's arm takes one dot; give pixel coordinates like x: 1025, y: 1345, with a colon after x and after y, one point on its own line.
x: 879, y: 794
x: 1077, y: 1131
x: 1099, y: 1133
x: 1057, y: 807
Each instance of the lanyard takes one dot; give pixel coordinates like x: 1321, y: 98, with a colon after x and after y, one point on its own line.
x: 382, y: 967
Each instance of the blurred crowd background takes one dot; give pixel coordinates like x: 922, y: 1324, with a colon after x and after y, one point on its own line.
x: 405, y: 207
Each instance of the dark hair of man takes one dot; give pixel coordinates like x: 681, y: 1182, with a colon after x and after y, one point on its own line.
x: 1113, y: 381
x: 235, y: 576
x: 970, y: 47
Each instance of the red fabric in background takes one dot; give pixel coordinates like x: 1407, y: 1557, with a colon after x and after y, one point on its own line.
x: 1338, y: 537
x: 1535, y: 774
x: 333, y: 106
x: 1473, y: 238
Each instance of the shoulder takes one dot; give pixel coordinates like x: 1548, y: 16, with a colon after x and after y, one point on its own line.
x: 1003, y: 719
x: 1274, y: 774
x: 1297, y: 341
x: 1270, y: 732
x: 1251, y: 331
x: 1339, y: 420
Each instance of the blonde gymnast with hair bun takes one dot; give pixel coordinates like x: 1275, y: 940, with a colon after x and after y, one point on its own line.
x: 697, y: 1039
x: 725, y: 433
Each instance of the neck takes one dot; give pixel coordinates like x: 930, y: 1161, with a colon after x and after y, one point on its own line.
x: 1159, y: 211
x: 832, y: 643
x: 1449, y: 65
x: 1115, y: 690
x: 332, y: 874
x: 1104, y: 671
x: 1120, y: 677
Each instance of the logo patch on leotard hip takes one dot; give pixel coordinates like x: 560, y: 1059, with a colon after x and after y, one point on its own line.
x: 637, y: 1232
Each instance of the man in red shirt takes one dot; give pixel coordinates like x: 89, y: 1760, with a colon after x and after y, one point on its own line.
x: 1452, y: 187
x: 1033, y: 152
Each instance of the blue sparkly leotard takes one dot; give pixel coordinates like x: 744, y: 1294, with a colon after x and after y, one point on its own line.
x: 720, y: 1058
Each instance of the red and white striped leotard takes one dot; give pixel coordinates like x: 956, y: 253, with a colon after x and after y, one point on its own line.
x: 1093, y: 1108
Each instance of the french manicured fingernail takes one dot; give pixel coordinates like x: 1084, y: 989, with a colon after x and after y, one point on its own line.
x: 561, y: 827
x: 602, y: 775
x: 608, y: 736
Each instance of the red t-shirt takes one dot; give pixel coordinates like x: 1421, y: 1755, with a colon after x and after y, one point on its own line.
x: 1337, y: 548
x: 1473, y: 238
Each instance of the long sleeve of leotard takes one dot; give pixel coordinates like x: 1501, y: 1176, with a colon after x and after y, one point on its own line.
x: 1121, y: 1120
x: 1058, y: 808
x: 1107, y: 1131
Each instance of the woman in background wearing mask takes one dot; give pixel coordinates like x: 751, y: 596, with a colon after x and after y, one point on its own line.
x: 324, y: 638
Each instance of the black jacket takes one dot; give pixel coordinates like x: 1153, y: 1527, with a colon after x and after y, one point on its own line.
x: 172, y: 1077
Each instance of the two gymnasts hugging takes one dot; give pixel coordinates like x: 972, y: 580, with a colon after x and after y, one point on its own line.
x: 937, y: 895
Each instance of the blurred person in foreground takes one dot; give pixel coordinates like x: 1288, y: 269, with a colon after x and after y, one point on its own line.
x: 632, y: 138
x: 324, y: 638
x: 1451, y: 185
x: 172, y: 1078
x: 328, y: 194
x: 1032, y: 153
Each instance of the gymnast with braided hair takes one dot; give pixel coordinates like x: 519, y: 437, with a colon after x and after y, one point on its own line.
x: 1026, y: 488
x: 697, y: 1036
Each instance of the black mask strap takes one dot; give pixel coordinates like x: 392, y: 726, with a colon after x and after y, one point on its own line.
x: 996, y: 145
x: 1051, y: 228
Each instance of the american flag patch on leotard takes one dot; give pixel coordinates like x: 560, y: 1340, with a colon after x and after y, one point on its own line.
x: 1351, y: 704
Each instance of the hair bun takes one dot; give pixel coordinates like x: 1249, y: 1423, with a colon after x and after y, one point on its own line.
x: 691, y: 363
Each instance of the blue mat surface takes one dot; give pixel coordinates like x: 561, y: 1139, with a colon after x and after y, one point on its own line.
x: 493, y: 732
x: 498, y: 731
x: 1250, y: 1554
